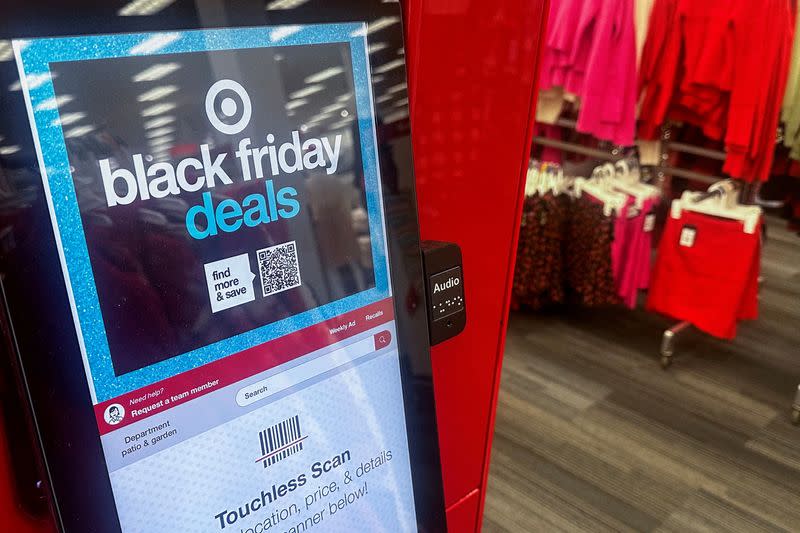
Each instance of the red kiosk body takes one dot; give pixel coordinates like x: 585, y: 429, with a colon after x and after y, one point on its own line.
x: 473, y: 70
x: 473, y: 78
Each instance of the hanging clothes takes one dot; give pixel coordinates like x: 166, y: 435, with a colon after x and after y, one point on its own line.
x: 588, y: 264
x: 632, y: 249
x: 790, y: 113
x: 623, y: 232
x: 539, y: 273
x: 721, y: 65
x: 707, y: 273
x: 590, y: 51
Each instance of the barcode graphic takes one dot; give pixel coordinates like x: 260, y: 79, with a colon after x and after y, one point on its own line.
x: 280, y: 441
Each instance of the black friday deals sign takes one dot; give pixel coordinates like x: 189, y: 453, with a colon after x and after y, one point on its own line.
x: 233, y: 182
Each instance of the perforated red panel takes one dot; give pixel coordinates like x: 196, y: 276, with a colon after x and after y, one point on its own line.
x: 472, y: 67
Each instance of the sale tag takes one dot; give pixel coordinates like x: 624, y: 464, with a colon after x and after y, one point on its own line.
x: 688, y: 236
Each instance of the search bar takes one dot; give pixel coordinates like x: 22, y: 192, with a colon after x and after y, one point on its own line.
x: 289, y: 378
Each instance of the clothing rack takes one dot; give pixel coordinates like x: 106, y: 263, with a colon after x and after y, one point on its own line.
x: 615, y: 153
x: 668, y: 339
x: 717, y: 155
x: 579, y: 149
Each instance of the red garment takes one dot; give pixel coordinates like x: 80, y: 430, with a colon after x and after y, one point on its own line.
x: 714, y: 282
x: 721, y: 65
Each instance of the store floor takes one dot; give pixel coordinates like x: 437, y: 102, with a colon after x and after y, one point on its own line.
x: 592, y: 435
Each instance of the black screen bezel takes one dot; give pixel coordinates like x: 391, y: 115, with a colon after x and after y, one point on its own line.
x: 48, y: 351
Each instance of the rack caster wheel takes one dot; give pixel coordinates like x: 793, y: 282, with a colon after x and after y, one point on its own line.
x: 666, y: 361
x: 796, y: 416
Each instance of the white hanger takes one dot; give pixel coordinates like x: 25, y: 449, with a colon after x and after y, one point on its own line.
x: 724, y: 204
x: 531, y: 181
x: 613, y: 202
x: 628, y: 180
x: 544, y: 178
x: 553, y: 179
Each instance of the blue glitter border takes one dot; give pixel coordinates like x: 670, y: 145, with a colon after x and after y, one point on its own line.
x: 36, y: 56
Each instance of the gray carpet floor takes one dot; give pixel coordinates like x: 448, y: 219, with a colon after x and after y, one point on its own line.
x: 592, y: 435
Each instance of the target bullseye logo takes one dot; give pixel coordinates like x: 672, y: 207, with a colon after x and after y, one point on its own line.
x: 228, y: 107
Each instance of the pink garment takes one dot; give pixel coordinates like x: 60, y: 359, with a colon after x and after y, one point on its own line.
x: 631, y: 249
x: 608, y: 106
x: 591, y: 51
x: 569, y: 39
x: 623, y: 234
x: 636, y: 254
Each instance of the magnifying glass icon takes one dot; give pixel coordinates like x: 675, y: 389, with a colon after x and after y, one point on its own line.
x: 382, y: 340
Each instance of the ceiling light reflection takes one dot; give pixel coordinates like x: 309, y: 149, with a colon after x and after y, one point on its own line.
x: 400, y: 87
x: 156, y: 72
x: 294, y: 104
x: 395, y: 117
x: 154, y: 44
x: 34, y: 81
x: 158, y: 109
x: 161, y: 142
x: 54, y: 103
x: 68, y: 118
x: 156, y: 93
x: 143, y: 7
x: 160, y: 132
x: 333, y: 107
x: 79, y: 131
x: 284, y: 4
x: 391, y: 65
x: 378, y: 25
x: 9, y: 150
x: 323, y: 75
x: 6, y: 51
x: 283, y: 32
x: 377, y: 47
x: 158, y: 122
x: 302, y: 93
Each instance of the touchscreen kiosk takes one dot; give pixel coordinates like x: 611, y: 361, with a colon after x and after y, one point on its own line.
x: 211, y: 276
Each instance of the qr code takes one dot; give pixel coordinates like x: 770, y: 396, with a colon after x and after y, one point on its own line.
x: 279, y: 268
